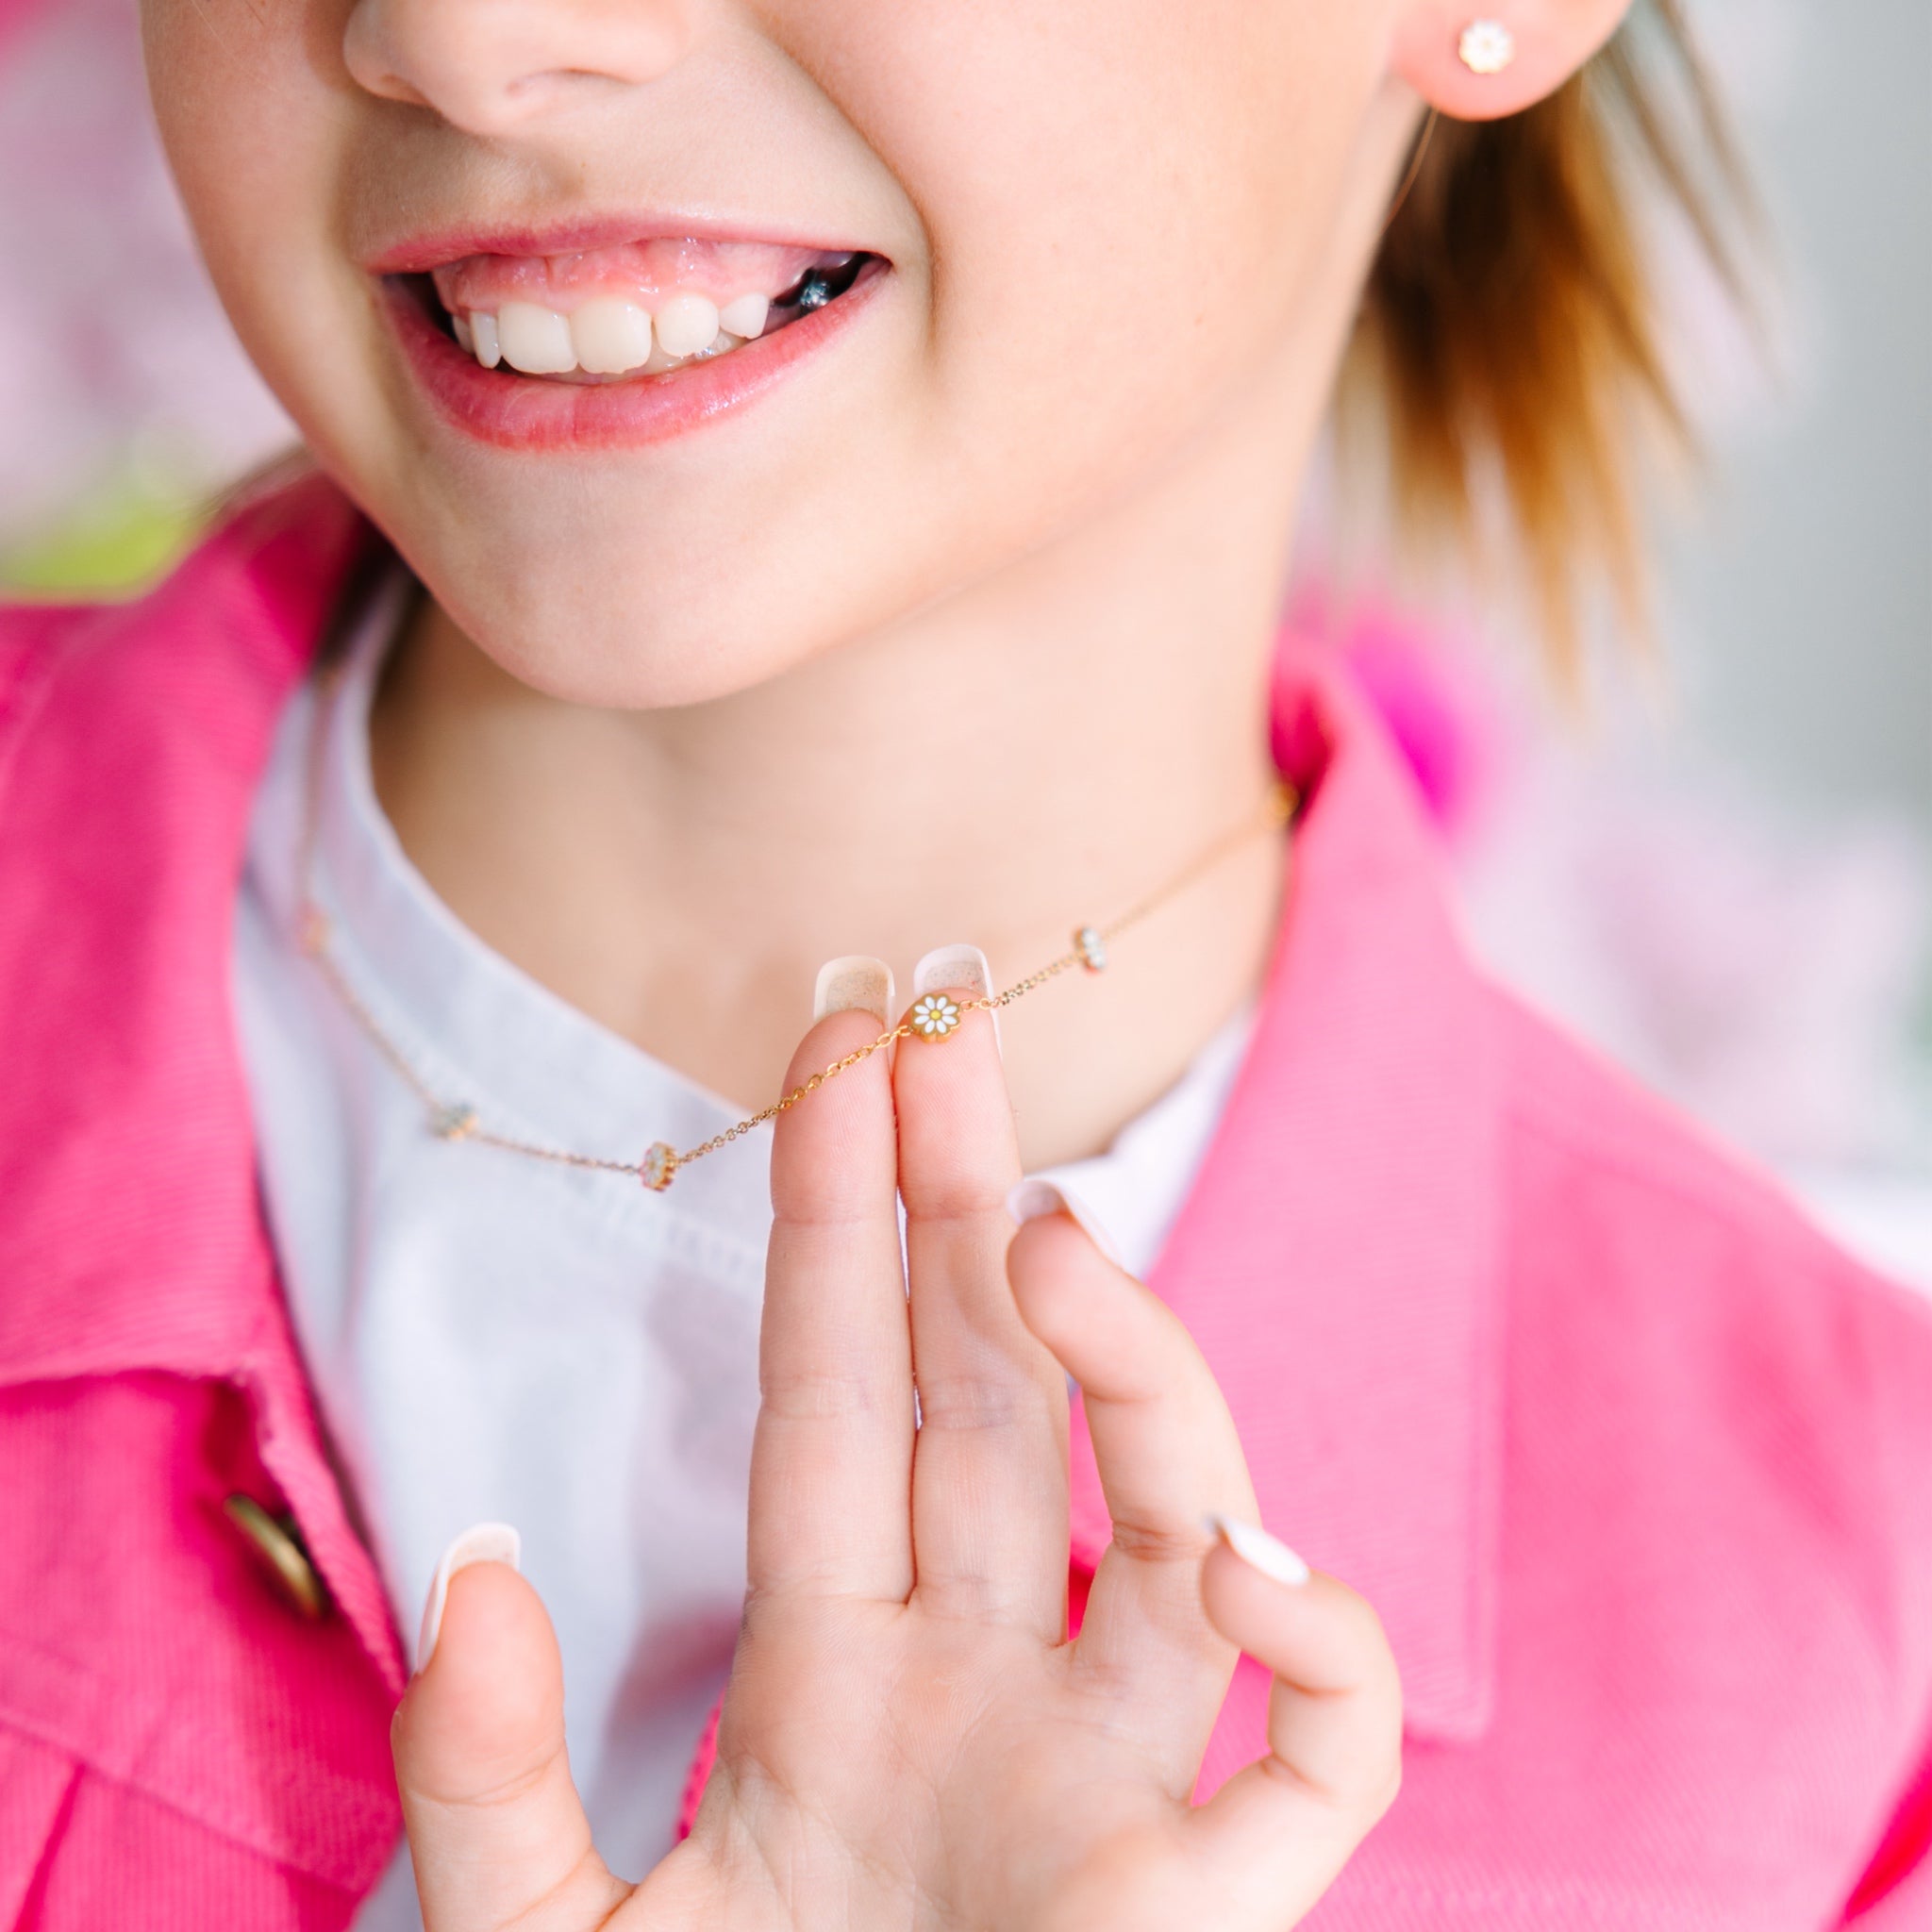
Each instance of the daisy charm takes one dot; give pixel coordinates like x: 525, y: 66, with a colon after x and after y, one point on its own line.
x: 935, y: 1016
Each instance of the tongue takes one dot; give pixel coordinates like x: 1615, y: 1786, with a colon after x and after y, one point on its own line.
x: 641, y: 271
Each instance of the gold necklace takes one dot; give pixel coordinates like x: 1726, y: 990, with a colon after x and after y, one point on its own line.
x: 933, y: 1017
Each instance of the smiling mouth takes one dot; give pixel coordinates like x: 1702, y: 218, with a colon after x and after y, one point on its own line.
x: 642, y: 308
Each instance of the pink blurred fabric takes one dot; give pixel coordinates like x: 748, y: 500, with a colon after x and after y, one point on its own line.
x: 1636, y: 1467
x: 15, y: 15
x: 124, y: 395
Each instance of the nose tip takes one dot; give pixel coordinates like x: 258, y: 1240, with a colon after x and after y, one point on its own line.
x: 490, y: 67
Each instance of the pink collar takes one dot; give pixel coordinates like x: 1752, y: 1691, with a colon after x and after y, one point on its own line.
x: 1337, y: 1260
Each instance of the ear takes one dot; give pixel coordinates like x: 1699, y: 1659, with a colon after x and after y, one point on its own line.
x: 1547, y: 42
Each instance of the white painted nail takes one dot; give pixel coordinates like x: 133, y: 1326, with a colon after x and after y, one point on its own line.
x: 949, y: 968
x: 857, y: 983
x: 1036, y: 1196
x: 1260, y: 1550
x: 487, y: 1543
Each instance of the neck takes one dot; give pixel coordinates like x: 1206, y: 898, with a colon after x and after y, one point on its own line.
x: 1043, y: 749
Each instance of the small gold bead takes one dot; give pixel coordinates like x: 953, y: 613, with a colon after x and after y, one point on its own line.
x: 659, y: 1167
x: 453, y: 1122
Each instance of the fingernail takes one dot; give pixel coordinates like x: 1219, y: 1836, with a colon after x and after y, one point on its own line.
x: 952, y: 966
x: 857, y: 983
x: 488, y: 1542
x: 1260, y: 1550
x: 1036, y: 1196
x: 946, y: 968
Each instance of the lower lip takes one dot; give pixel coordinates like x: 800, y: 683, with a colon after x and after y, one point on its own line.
x: 512, y: 411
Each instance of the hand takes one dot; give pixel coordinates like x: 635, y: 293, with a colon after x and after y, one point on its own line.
x: 908, y: 1737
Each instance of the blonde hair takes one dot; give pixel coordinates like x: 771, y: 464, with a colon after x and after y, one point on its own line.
x: 1510, y: 329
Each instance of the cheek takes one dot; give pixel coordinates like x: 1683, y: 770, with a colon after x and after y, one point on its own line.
x: 254, y: 136
x: 1128, y: 204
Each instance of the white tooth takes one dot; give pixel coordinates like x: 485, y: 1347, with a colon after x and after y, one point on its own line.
x: 535, y: 339
x: 610, y: 336
x: 685, y: 324
x: 465, y: 335
x: 744, y: 316
x: 483, y: 327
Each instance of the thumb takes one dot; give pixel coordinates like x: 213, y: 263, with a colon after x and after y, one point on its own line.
x: 497, y: 1832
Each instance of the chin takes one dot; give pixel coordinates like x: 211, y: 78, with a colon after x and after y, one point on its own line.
x: 615, y: 629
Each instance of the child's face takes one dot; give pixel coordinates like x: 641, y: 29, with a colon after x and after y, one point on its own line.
x: 1103, y: 229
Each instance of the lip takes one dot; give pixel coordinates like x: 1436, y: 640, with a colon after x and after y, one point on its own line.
x: 512, y: 411
x: 418, y: 254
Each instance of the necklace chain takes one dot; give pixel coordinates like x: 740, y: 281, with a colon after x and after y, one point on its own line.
x: 934, y: 1017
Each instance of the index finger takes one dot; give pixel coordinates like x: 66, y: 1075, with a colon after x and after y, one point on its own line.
x: 831, y: 1468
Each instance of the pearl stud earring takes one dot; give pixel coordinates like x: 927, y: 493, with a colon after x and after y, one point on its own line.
x: 1487, y: 46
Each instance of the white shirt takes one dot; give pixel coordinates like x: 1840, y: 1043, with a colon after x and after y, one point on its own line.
x: 493, y: 1336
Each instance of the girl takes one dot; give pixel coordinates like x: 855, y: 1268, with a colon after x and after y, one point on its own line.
x: 822, y: 481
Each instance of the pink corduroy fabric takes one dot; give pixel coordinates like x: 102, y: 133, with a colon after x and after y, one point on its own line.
x: 1636, y: 1467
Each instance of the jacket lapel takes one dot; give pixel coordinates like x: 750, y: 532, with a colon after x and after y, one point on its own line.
x: 1336, y: 1258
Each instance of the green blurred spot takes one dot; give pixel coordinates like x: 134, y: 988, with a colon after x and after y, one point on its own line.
x: 117, y: 543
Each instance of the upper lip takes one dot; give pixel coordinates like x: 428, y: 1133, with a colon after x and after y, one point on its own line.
x: 432, y: 248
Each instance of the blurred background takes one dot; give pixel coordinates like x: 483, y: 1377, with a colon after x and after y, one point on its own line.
x: 1721, y: 875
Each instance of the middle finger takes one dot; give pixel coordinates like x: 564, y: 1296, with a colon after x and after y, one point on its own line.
x: 989, y: 1470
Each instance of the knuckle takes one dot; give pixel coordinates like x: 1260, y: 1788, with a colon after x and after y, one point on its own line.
x: 962, y: 1405
x: 1158, y: 1543
x: 816, y: 1395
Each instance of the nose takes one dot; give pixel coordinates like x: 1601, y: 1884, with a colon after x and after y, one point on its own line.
x: 491, y: 66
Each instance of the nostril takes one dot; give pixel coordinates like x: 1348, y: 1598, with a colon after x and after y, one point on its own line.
x: 392, y: 86
x: 371, y: 60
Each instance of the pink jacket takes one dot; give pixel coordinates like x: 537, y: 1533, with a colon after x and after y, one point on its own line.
x: 1636, y: 1468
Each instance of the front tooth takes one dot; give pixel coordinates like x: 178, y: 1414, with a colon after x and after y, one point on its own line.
x: 535, y: 339
x: 611, y: 335
x: 489, y: 348
x: 685, y: 324
x: 744, y: 316
x: 465, y: 335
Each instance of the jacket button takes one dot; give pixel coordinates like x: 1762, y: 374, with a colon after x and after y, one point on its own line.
x: 278, y: 1543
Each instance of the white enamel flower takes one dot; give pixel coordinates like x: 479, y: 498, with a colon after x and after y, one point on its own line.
x: 935, y: 1016
x: 1487, y: 46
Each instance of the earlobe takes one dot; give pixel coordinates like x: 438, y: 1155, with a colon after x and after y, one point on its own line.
x: 1481, y: 59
